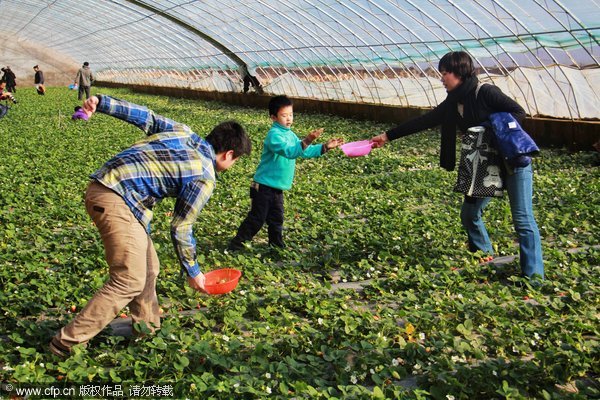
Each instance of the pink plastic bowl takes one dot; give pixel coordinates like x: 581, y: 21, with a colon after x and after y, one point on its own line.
x: 221, y: 281
x: 357, y: 149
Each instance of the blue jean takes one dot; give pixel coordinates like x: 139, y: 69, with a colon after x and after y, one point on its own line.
x: 519, y: 185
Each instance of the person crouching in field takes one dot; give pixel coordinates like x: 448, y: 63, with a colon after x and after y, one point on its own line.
x: 172, y: 161
x: 275, y: 173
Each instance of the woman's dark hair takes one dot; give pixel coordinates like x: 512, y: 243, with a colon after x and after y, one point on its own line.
x: 459, y: 63
x: 230, y: 135
x: 277, y: 102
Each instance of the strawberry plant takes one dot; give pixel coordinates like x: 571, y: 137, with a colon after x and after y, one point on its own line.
x: 424, y: 319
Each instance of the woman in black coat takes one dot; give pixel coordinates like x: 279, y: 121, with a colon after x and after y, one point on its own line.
x: 11, y: 79
x: 470, y: 104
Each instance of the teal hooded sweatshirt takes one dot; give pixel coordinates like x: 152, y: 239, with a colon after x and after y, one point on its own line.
x: 278, y: 160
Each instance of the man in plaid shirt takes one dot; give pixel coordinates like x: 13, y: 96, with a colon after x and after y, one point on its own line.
x: 172, y: 161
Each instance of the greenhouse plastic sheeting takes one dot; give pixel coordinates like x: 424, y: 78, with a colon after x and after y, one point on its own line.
x: 544, y: 53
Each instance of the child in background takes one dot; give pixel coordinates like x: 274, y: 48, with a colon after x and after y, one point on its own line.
x: 6, y: 94
x: 275, y: 173
x: 80, y: 113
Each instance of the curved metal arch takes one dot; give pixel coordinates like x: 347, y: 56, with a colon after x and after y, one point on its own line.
x: 234, y: 57
x: 167, y: 41
x: 216, y: 16
x: 259, y: 33
x: 516, y: 35
x: 291, y: 46
x: 475, y: 38
x: 542, y: 64
x: 440, y: 39
x: 267, y: 28
x: 391, y: 41
x: 479, y: 40
x: 312, y: 18
x: 422, y: 55
x: 33, y: 17
x: 309, y: 17
x: 565, y: 9
x: 355, y: 12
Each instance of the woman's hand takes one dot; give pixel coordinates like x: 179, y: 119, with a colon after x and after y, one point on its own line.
x: 197, y: 282
x: 379, y: 140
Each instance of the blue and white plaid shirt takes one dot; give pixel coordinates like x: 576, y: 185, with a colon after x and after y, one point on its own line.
x: 172, y: 161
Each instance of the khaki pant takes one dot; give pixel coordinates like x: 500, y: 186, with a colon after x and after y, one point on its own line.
x: 133, y: 269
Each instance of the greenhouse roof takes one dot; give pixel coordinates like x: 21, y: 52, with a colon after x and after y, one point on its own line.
x: 316, y: 41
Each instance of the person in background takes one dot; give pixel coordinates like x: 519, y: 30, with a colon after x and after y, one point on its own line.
x: 4, y: 93
x: 38, y: 80
x: 171, y: 161
x: 275, y: 173
x: 249, y: 77
x: 84, y: 79
x: 10, y: 78
x: 80, y: 113
x: 469, y: 104
x: 3, y: 96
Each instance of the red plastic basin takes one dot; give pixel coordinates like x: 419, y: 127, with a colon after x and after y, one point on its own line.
x: 221, y: 281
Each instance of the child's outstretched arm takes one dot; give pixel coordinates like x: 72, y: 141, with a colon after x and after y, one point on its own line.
x: 311, y: 137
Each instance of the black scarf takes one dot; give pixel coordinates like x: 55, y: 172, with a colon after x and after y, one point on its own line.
x: 448, y: 145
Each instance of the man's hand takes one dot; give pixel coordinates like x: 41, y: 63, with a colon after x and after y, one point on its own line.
x: 89, y: 106
x: 197, y: 282
x: 379, y: 140
x: 333, y: 143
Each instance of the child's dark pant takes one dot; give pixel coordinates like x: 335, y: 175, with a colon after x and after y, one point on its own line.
x: 267, y: 206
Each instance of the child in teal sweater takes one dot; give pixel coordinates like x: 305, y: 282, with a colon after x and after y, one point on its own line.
x: 275, y: 173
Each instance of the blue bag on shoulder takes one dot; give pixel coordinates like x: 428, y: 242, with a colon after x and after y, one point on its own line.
x: 514, y: 144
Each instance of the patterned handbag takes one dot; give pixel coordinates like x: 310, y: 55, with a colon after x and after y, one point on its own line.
x: 480, y: 171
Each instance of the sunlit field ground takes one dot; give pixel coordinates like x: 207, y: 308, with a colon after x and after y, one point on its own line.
x: 425, y: 321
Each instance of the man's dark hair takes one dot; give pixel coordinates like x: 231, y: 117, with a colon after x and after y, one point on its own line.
x: 277, y: 102
x: 230, y: 135
x: 85, y: 63
x: 457, y: 62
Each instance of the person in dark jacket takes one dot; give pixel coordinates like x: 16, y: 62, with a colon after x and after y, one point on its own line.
x: 10, y: 78
x: 249, y: 78
x: 469, y: 104
x: 39, y: 80
x: 84, y: 79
